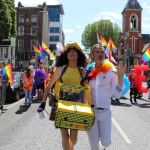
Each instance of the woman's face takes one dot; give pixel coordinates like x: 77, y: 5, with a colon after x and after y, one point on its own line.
x: 72, y: 54
x: 98, y: 54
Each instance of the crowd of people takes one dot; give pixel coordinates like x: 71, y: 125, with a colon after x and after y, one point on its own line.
x: 104, y: 76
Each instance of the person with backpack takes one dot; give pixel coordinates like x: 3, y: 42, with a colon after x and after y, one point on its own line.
x: 69, y: 71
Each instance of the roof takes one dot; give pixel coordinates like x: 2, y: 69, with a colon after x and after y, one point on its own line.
x: 132, y: 4
x: 145, y: 47
x: 146, y: 38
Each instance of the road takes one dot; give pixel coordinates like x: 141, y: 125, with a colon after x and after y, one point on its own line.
x: 22, y: 129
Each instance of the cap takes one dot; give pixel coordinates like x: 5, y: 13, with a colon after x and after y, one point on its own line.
x: 72, y: 46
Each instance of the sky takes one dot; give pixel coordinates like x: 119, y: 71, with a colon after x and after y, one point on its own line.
x: 79, y: 13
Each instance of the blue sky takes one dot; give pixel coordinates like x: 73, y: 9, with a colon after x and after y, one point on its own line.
x: 79, y: 13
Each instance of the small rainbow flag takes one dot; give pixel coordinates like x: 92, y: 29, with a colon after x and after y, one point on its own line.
x: 45, y: 47
x: 37, y: 51
x: 146, y: 56
x: 7, y: 72
x: 104, y: 43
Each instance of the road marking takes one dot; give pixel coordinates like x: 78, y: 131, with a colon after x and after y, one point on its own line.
x: 14, y: 104
x: 125, y: 137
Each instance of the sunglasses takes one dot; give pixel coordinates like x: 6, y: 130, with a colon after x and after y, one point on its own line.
x: 99, y: 51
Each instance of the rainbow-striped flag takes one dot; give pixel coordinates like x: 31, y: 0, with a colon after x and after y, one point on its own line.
x: 37, y: 51
x: 104, y: 43
x: 114, y: 48
x: 146, y: 56
x: 7, y: 72
x: 45, y: 48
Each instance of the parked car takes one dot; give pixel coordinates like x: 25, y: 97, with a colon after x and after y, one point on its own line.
x: 15, y: 90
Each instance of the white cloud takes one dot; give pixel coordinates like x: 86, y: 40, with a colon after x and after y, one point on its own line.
x: 68, y: 30
x: 36, y: 2
x: 108, y: 15
x: 78, y: 26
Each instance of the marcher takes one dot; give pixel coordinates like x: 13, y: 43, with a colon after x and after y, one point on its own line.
x: 4, y: 84
x: 28, y: 85
x: 104, y: 85
x: 133, y: 89
x: 68, y: 72
x: 148, y: 85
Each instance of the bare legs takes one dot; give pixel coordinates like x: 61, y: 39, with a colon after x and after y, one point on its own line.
x: 69, y: 139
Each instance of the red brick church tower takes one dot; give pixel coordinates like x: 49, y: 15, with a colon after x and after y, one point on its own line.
x: 132, y: 27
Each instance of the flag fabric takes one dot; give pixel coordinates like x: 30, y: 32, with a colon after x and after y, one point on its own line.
x: 114, y: 48
x: 45, y: 48
x: 103, y: 41
x: 7, y: 72
x: 98, y: 38
x: 109, y: 52
x: 146, y: 56
x: 37, y: 51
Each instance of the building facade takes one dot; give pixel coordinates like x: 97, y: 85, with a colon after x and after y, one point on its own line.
x: 132, y: 41
x: 55, y: 18
x: 32, y: 27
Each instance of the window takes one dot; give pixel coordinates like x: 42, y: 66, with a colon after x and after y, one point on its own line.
x: 21, y: 30
x: 54, y: 30
x: 33, y: 30
x: 34, y: 18
x: 54, y: 14
x: 5, y: 50
x: 21, y: 18
x: 54, y: 38
x: 20, y: 45
x: 133, y: 23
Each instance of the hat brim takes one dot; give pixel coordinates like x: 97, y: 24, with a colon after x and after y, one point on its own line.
x: 72, y: 46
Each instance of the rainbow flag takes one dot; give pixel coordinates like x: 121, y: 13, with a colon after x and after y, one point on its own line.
x: 108, y: 53
x: 7, y: 72
x: 114, y: 48
x: 45, y: 48
x: 146, y: 56
x: 104, y: 43
x: 98, y: 38
x: 37, y: 51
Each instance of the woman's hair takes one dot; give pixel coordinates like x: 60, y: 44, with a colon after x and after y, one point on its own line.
x: 63, y: 59
x: 28, y: 72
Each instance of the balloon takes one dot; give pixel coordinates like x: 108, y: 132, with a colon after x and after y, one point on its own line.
x: 90, y: 66
x: 126, y: 85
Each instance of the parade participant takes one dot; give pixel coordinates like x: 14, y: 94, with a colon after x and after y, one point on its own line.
x: 28, y: 85
x: 73, y: 58
x: 104, y: 84
x: 148, y: 85
x: 133, y: 89
x: 4, y: 83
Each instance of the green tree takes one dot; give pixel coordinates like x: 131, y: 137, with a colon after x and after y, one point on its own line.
x: 105, y: 27
x: 7, y: 19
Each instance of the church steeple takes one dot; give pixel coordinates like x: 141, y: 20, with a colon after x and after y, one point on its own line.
x: 132, y: 4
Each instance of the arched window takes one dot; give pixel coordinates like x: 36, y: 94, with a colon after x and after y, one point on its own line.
x: 133, y: 22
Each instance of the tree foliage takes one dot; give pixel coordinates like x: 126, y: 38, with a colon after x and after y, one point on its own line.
x: 105, y: 27
x: 7, y: 19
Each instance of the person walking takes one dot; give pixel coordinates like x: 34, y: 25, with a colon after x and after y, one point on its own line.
x: 68, y: 73
x: 4, y: 84
x: 133, y: 89
x: 148, y: 86
x: 28, y: 85
x: 105, y: 81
